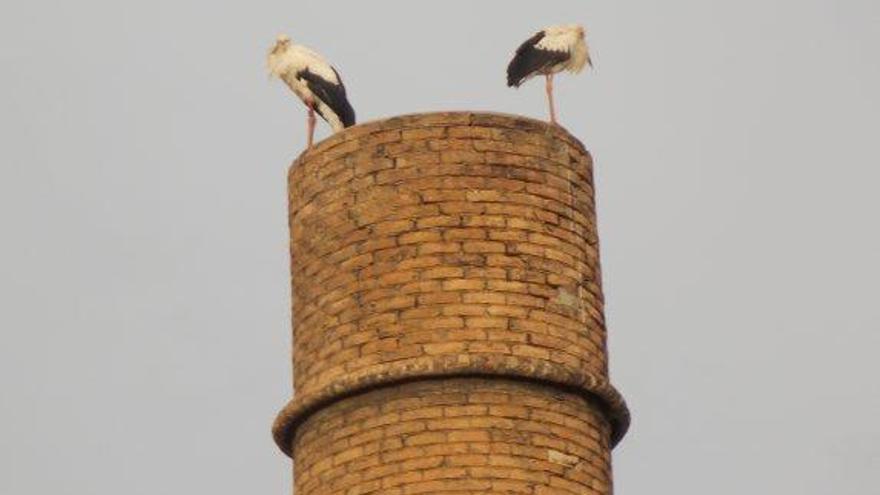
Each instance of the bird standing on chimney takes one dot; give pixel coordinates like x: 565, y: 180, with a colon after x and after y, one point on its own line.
x: 314, y: 81
x: 549, y: 52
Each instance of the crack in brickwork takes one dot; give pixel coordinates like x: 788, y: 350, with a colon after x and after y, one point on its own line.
x: 444, y: 245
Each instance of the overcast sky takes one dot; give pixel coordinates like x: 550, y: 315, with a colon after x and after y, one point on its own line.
x: 144, y: 292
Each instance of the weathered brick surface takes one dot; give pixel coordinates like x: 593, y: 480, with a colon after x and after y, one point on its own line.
x: 442, y: 245
x: 463, y: 436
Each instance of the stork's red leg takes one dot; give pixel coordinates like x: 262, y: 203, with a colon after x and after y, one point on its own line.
x: 550, y: 98
x: 311, y: 124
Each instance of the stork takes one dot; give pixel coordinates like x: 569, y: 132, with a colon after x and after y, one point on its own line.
x: 314, y: 81
x: 549, y: 52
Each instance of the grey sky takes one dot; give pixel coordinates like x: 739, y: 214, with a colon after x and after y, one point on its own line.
x: 144, y: 321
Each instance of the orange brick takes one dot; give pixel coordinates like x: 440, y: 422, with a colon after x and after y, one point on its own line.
x: 463, y: 309
x: 531, y: 351
x: 485, y: 221
x: 419, y: 237
x: 489, y: 348
x: 417, y: 158
x: 483, y: 247
x: 438, y: 221
x: 464, y: 234
x: 444, y: 348
x: 439, y: 247
x: 485, y: 195
x: 463, y: 284
x: 485, y: 322
x: 425, y: 438
x: 392, y: 227
x: 440, y: 298
x: 443, y: 272
x: 423, y: 133
x: 395, y: 175
x: 444, y: 322
x: 483, y: 298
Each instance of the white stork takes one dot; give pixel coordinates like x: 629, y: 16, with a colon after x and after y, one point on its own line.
x: 315, y: 81
x: 549, y: 52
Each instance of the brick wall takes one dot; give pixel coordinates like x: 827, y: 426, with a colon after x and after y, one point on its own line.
x: 461, y: 435
x: 434, y: 247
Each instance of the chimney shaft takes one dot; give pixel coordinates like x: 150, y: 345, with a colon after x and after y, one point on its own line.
x: 448, y: 320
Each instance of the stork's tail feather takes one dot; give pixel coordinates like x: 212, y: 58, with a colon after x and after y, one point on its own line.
x: 347, y: 116
x: 516, y: 73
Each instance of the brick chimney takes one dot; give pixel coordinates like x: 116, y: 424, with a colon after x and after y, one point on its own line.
x: 448, y: 327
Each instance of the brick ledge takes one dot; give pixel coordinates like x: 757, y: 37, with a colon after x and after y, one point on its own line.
x: 586, y: 384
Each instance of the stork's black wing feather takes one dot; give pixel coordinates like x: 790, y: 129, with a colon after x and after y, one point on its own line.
x: 333, y: 95
x: 530, y: 60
